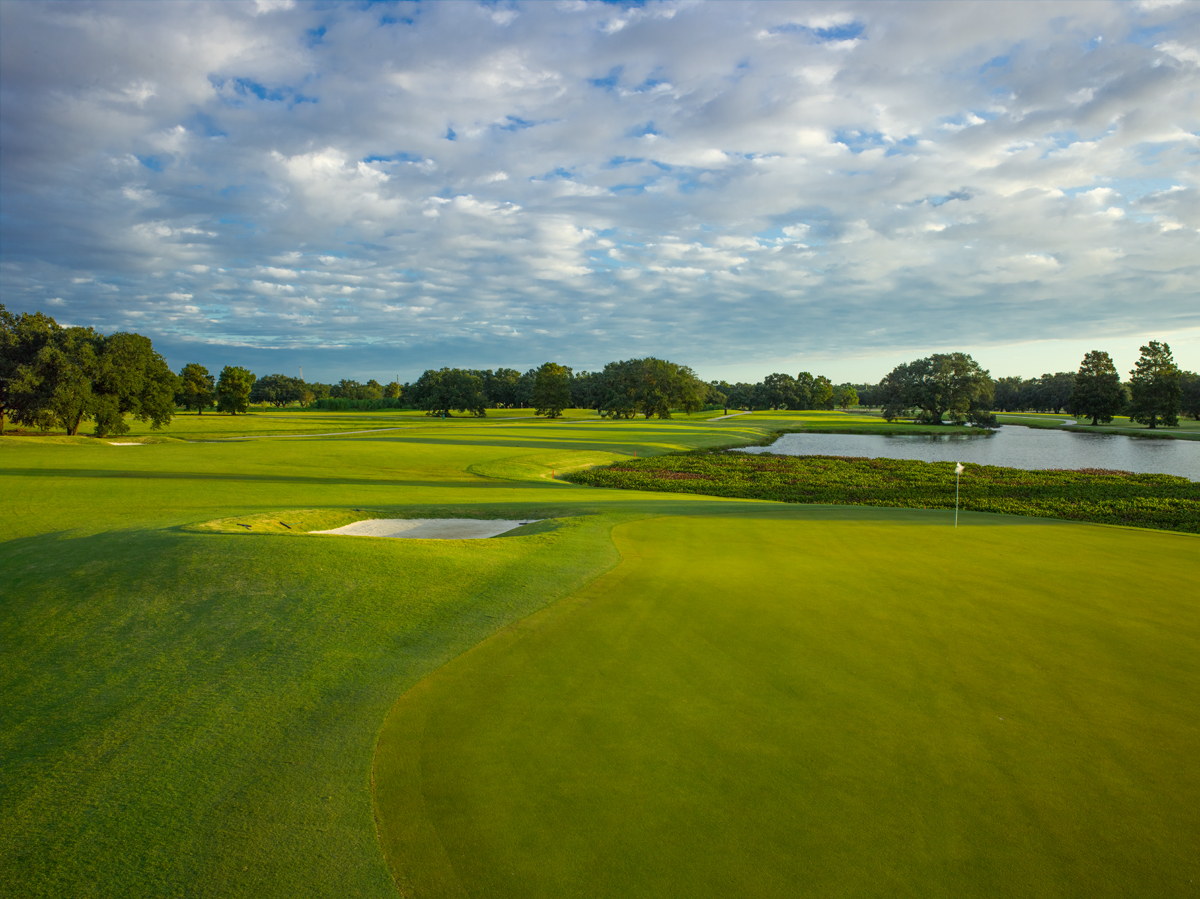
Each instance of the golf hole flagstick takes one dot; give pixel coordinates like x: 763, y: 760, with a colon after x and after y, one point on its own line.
x: 958, y: 470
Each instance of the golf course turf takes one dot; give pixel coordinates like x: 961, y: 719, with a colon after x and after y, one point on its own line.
x: 644, y: 694
x: 762, y: 705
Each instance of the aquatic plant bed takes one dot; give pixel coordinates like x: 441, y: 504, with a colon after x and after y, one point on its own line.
x: 1106, y: 497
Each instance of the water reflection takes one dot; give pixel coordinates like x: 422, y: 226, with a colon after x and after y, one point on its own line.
x: 1013, y: 446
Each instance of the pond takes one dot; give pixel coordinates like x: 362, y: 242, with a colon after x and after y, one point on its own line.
x: 1012, y: 445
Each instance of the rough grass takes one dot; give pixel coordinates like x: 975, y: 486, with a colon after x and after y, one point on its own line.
x: 1107, y: 497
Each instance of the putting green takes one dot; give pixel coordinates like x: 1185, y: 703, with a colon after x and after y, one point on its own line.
x: 785, y: 703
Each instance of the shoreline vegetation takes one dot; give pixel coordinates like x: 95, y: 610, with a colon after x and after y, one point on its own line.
x: 1099, y: 496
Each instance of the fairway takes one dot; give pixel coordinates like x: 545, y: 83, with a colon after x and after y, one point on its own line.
x: 785, y: 705
x: 643, y: 693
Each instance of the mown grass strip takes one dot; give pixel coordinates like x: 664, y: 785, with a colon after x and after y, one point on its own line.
x: 1158, y: 501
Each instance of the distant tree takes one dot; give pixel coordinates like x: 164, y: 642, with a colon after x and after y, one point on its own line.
x: 618, y: 390
x: 1097, y: 392
x: 22, y: 337
x: 868, y: 394
x: 523, y: 395
x: 503, y: 388
x: 278, y: 390
x: 804, y: 390
x: 552, y: 389
x: 393, y: 391
x: 587, y: 390
x: 845, y: 396
x: 349, y: 389
x: 440, y: 391
x: 1189, y: 394
x: 893, y: 393
x: 822, y: 393
x: 1007, y: 396
x: 1050, y: 392
x: 941, y: 384
x: 740, y: 396
x: 650, y: 386
x: 132, y: 380
x: 779, y: 392
x: 1154, y: 387
x: 233, y: 389
x: 197, y: 388
x: 717, y: 394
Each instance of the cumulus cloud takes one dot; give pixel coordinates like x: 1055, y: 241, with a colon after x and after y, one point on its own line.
x: 500, y: 184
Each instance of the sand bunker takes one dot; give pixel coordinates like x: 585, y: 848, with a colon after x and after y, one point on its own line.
x: 429, y: 528
x: 119, y: 443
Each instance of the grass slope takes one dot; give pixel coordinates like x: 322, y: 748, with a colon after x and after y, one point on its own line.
x: 781, y: 705
x: 193, y: 712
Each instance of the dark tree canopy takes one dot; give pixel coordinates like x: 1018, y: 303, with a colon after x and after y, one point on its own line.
x: 197, y: 388
x: 780, y: 391
x: 439, y: 392
x: 552, y: 389
x: 845, y: 396
x: 503, y: 388
x: 349, y: 389
x: 939, y: 385
x: 650, y: 386
x: 132, y: 380
x: 278, y: 390
x: 822, y: 393
x: 61, y: 381
x: 1097, y: 392
x: 233, y: 389
x: 1154, y: 387
x: 53, y: 375
x: 22, y: 338
x: 1189, y: 394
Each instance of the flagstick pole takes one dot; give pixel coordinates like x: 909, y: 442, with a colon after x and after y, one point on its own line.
x: 957, y: 476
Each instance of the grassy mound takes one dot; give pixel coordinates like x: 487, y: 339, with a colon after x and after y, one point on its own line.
x: 1107, y: 497
x: 772, y: 707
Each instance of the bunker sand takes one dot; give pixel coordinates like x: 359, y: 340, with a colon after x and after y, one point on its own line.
x: 428, y: 528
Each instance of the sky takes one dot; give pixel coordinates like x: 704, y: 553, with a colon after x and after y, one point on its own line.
x: 373, y: 189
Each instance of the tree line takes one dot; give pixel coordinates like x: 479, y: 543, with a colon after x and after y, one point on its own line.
x: 953, y: 385
x: 53, y: 375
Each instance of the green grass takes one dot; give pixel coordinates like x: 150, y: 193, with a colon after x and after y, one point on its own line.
x: 1140, y: 500
x: 191, y: 708
x: 831, y: 707
x: 1188, y: 429
x: 189, y: 711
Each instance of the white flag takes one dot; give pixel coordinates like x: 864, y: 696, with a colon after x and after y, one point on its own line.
x: 958, y: 469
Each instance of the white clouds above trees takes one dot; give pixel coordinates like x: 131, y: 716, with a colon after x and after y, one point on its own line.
x: 500, y: 184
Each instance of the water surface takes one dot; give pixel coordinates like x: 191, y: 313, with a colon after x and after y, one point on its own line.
x: 1012, y: 445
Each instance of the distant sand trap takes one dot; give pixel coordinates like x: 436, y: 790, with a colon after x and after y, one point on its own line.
x: 429, y: 528
x: 128, y: 443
